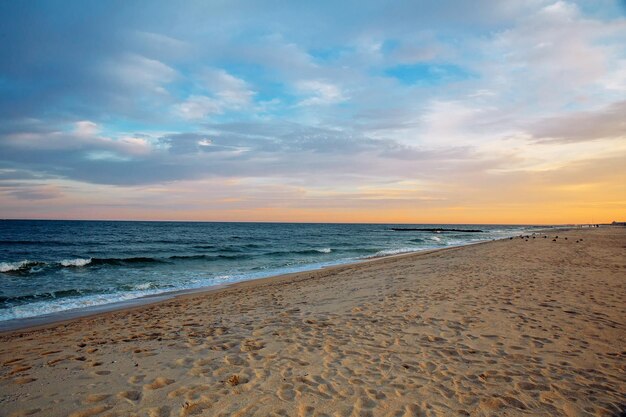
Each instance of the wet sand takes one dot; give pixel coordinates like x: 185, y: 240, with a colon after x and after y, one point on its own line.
x: 507, y: 328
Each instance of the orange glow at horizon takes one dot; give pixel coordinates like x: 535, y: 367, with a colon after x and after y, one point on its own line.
x: 540, y: 214
x: 591, y: 193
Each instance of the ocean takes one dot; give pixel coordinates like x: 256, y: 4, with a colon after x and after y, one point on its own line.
x: 54, y: 266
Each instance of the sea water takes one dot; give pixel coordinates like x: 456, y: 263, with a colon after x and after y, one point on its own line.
x: 54, y: 266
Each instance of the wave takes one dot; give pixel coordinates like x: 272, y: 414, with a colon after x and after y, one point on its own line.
x: 253, y: 246
x: 6, y: 301
x: 388, y: 252
x: 36, y: 242
x: 20, y: 266
x: 144, y: 286
x: 75, y: 262
x: 130, y: 287
x: 209, y: 257
x: 189, y: 257
x: 230, y: 249
x: 180, y: 241
x: 27, y: 266
x: 46, y: 296
x: 299, y: 252
x: 125, y: 261
x: 48, y: 303
x: 363, y: 250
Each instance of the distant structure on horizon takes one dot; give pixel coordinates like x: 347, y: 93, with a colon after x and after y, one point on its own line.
x: 618, y: 224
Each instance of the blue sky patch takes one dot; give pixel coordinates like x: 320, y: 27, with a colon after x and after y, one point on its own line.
x: 424, y: 74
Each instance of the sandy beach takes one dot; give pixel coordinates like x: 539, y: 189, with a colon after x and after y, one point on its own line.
x: 517, y: 327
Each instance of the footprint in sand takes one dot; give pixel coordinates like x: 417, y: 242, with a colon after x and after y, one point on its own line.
x: 491, y: 404
x: 102, y: 373
x: 19, y: 369
x: 159, y: 382
x: 235, y: 360
x: 50, y: 352
x: 136, y: 379
x: 159, y: 411
x: 90, y: 411
x: 130, y: 396
x: 196, y: 408
x: 305, y: 411
x: 96, y: 398
x: 251, y: 345
x: 412, y: 410
x: 24, y: 413
x: 24, y: 380
x: 286, y: 392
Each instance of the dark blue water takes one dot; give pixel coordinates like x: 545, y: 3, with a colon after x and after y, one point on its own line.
x: 51, y: 266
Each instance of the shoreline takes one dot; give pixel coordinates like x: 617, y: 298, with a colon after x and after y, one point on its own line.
x: 61, y: 317
x: 51, y: 319
x: 85, y: 311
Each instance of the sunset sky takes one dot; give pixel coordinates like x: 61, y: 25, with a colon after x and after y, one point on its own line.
x: 321, y: 111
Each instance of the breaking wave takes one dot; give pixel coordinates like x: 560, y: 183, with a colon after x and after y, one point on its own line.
x: 75, y: 262
x: 20, y: 266
x: 388, y: 252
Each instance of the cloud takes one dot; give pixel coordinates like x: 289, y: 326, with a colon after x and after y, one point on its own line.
x: 227, y: 93
x: 231, y: 91
x: 25, y: 194
x: 606, y: 123
x: 160, y: 46
x: 137, y: 72
x: 319, y: 93
x: 197, y: 143
x: 279, y: 150
x: 198, y: 107
x: 553, y: 56
x: 86, y: 128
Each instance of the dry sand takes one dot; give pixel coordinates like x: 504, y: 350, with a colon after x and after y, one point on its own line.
x: 506, y: 328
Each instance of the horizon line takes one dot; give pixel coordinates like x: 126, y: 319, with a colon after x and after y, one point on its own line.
x: 303, y: 222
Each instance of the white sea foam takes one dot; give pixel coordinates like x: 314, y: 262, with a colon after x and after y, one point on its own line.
x: 75, y: 262
x: 324, y: 250
x: 388, y: 252
x: 13, y: 266
x: 435, y: 238
x: 144, y: 286
x: 39, y: 308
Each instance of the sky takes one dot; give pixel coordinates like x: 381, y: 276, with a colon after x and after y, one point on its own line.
x: 353, y: 111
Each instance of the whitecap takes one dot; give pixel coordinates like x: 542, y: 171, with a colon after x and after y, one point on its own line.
x: 75, y: 262
x: 324, y: 250
x: 14, y: 266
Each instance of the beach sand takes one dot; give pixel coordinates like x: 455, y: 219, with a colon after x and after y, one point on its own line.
x: 515, y: 327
